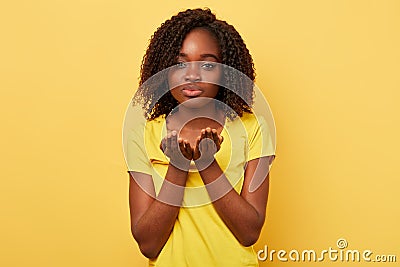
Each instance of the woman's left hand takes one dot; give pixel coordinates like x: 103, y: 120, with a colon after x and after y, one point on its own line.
x: 207, y: 144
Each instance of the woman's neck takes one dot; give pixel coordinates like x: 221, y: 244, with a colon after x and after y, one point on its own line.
x: 199, y: 118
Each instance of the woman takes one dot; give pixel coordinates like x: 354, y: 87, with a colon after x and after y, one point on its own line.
x: 192, y: 196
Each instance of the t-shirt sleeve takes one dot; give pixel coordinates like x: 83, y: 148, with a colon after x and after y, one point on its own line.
x: 261, y: 142
x: 136, y: 156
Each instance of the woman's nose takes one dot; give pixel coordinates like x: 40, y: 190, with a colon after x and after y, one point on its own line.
x: 192, y: 72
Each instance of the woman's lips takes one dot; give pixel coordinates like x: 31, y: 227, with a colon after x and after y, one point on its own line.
x: 191, y: 92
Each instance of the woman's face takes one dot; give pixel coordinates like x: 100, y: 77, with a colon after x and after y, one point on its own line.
x: 197, y: 74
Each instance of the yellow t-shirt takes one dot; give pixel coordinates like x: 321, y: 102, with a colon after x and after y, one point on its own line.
x: 200, y: 238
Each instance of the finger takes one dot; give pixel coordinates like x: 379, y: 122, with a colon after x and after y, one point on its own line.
x: 215, y: 136
x: 203, y: 134
x: 188, y: 149
x: 196, y: 150
x: 197, y: 146
x: 211, y: 146
x: 162, y: 144
x: 209, y: 133
x: 210, y: 142
x: 174, y: 141
x: 168, y: 146
x: 181, y: 145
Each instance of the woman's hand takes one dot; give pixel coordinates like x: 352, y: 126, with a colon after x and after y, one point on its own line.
x: 207, y: 144
x: 178, y: 150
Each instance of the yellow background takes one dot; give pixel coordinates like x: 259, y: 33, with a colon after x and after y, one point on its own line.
x: 329, y: 69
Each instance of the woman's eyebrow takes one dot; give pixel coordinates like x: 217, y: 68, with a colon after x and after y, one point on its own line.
x: 203, y: 56
x: 209, y: 55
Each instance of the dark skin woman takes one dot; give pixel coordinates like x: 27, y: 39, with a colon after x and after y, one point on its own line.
x: 194, y: 132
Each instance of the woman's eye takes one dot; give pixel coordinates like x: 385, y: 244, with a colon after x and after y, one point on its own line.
x: 208, y: 65
x: 181, y: 65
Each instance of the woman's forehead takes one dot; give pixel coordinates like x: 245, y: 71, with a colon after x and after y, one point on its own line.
x: 200, y: 43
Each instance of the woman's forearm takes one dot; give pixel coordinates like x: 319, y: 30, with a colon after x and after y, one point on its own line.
x: 154, y: 227
x: 237, y: 213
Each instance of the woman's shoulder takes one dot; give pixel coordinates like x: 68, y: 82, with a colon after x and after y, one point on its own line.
x: 250, y: 119
x: 252, y: 122
x: 155, y: 123
x: 159, y: 119
x: 154, y: 128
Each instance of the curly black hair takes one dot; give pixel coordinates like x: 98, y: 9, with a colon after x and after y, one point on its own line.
x: 163, y: 51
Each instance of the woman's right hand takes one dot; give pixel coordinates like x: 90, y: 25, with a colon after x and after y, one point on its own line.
x: 179, y: 151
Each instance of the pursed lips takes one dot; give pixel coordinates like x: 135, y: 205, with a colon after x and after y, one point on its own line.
x: 191, y: 91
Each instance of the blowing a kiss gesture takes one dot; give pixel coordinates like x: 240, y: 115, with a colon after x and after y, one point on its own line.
x: 181, y: 152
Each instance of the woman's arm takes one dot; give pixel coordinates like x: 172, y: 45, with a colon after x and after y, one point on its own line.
x: 153, y: 218
x: 243, y: 214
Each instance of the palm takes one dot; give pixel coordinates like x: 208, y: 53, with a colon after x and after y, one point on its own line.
x: 207, y: 144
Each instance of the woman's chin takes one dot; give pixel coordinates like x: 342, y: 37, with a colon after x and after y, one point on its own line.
x: 197, y: 102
